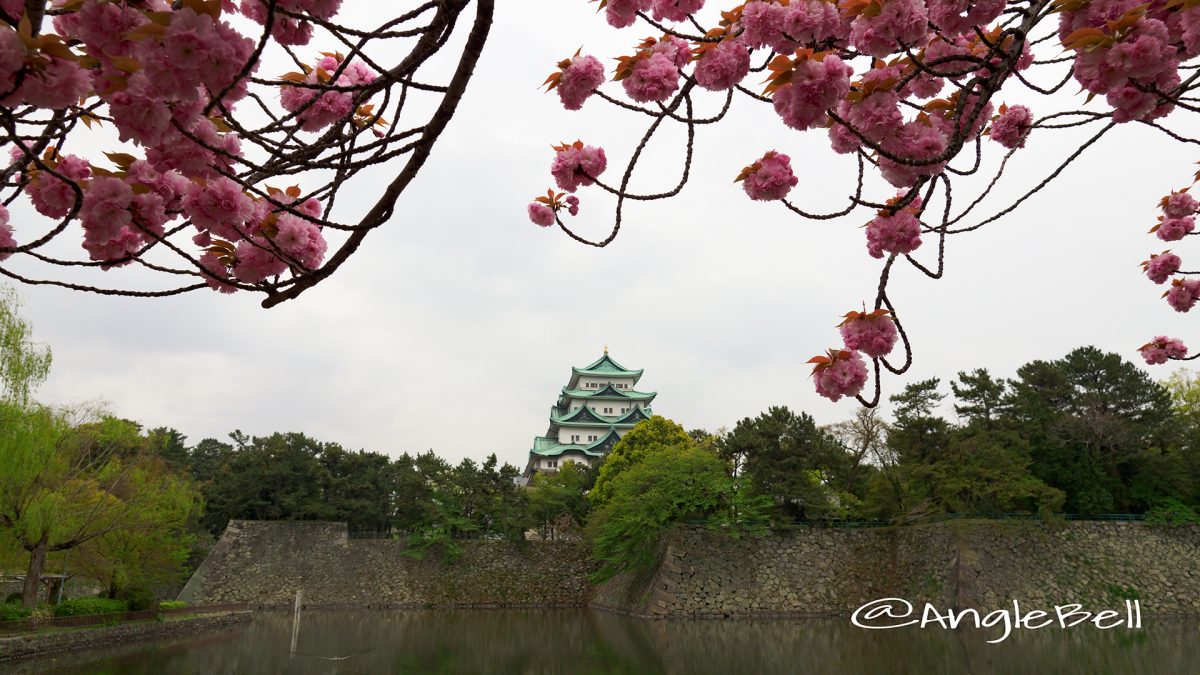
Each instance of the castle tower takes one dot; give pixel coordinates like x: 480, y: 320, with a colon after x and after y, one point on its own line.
x: 598, y: 404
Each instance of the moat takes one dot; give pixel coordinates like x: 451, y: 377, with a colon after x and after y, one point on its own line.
x: 534, y: 642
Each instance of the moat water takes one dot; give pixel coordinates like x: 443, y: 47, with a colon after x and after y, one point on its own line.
x: 537, y: 642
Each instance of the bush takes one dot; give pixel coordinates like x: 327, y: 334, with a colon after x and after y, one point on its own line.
x: 85, y: 606
x: 13, y: 597
x: 1172, y: 512
x: 12, y: 612
x: 172, y: 604
x: 138, y: 599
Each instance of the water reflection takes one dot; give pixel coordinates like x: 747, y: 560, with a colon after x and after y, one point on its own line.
x: 537, y: 642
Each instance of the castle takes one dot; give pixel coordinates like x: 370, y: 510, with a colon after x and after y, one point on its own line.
x: 598, y: 404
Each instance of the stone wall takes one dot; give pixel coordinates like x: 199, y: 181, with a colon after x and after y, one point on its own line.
x: 957, y: 564
x: 45, y: 644
x: 266, y: 563
x: 806, y: 571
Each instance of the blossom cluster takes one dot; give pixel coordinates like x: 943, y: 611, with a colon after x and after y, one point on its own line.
x: 906, y: 86
x: 1178, y: 219
x: 167, y: 75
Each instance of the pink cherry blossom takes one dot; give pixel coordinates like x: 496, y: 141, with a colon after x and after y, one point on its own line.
x: 105, y: 209
x: 676, y: 10
x: 954, y: 17
x: 218, y: 275
x: 1183, y: 294
x: 815, y: 87
x: 541, y: 214
x: 769, y: 178
x: 6, y: 232
x: 901, y: 22
x: 1012, y: 126
x: 678, y: 51
x: 1162, y: 349
x: 652, y: 78
x: 916, y: 141
x: 810, y: 22
x: 1160, y: 267
x: 1174, y: 229
x: 622, y: 13
x: 873, y: 334
x: 580, y: 80
x: 57, y: 84
x: 300, y: 240
x: 577, y: 165
x: 53, y: 197
x: 842, y: 373
x: 219, y: 206
x: 762, y: 25
x: 573, y: 205
x: 1180, y: 205
x: 256, y: 261
x: 898, y: 232
x: 724, y: 66
x: 12, y: 58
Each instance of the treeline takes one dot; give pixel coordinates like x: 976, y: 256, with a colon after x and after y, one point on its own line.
x: 1088, y: 433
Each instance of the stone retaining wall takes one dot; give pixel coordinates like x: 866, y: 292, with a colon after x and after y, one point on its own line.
x: 46, y: 644
x: 806, y: 571
x: 266, y: 563
x: 959, y: 564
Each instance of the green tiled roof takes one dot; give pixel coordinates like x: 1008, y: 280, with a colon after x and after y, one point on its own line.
x: 609, y: 392
x: 605, y: 365
x: 550, y: 447
x: 586, y: 417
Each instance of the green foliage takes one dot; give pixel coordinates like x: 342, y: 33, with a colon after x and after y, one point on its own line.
x: 10, y: 611
x: 138, y: 598
x: 89, y: 606
x: 558, y: 505
x: 646, y: 438
x: 785, y: 457
x: 1119, y: 593
x: 24, y: 364
x: 672, y: 483
x: 1172, y: 512
x: 172, y: 604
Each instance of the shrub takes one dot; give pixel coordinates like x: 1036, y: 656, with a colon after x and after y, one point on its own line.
x: 12, y: 612
x: 84, y: 606
x: 1172, y: 512
x: 13, y: 597
x: 172, y: 604
x: 138, y: 599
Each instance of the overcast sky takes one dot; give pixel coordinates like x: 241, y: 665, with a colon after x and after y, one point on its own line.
x: 456, y: 324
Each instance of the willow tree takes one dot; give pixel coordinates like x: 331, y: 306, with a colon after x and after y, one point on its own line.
x: 61, y: 484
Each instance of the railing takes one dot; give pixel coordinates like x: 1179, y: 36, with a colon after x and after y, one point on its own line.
x: 31, y: 624
x: 841, y: 523
x: 405, y: 535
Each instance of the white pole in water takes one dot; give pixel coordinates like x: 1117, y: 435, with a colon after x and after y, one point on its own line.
x: 296, y: 622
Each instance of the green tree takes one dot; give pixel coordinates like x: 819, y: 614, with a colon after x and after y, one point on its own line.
x: 1090, y: 418
x: 644, y: 439
x: 788, y: 458
x: 558, y: 505
x: 62, y: 486
x: 277, y: 477
x: 669, y: 484
x: 980, y: 397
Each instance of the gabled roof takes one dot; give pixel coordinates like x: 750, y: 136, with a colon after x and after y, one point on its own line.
x: 604, y: 445
x: 549, y: 447
x: 601, y: 367
x: 583, y: 414
x: 635, y: 415
x: 609, y: 392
